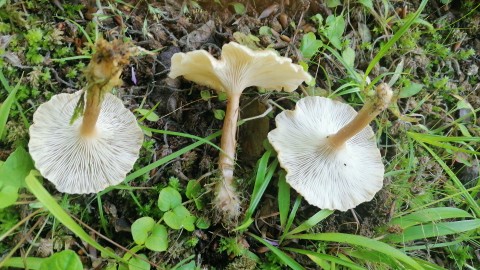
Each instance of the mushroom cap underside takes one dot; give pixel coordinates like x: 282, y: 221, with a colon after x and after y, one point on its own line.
x: 239, y: 68
x: 337, y: 179
x: 84, y: 164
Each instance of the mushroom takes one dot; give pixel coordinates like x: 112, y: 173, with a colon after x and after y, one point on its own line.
x: 97, y: 149
x: 329, y: 151
x: 238, y: 68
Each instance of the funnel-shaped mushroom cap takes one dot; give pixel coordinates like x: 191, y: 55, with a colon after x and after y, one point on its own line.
x: 84, y: 164
x: 326, y: 177
x: 238, y: 68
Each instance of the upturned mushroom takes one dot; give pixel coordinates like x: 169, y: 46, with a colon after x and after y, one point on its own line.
x: 98, y: 147
x: 329, y: 150
x: 238, y: 68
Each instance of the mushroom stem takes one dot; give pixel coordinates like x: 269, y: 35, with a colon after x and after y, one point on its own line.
x: 102, y: 73
x: 383, y: 95
x: 226, y: 197
x: 92, y: 110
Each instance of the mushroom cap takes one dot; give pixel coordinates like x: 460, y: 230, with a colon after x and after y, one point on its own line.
x: 337, y: 179
x: 84, y: 164
x: 238, y: 68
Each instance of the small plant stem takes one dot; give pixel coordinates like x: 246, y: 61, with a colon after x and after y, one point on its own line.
x: 226, y: 163
x: 383, y: 95
x: 92, y: 110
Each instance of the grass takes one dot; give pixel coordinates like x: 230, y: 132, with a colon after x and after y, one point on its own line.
x: 427, y: 213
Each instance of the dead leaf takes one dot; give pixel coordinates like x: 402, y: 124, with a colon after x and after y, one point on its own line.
x: 198, y: 37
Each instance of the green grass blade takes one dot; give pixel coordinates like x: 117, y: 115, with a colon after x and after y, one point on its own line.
x: 56, y: 210
x: 360, y: 241
x: 5, y: 109
x: 280, y: 254
x: 429, y: 246
x: 437, y: 138
x: 372, y: 257
x: 429, y: 215
x: 5, y: 85
x: 291, y: 217
x: 24, y: 263
x: 84, y: 32
x: 312, y: 221
x: 78, y: 57
x: 262, y: 179
x: 283, y: 199
x: 433, y: 230
x: 428, y: 265
x: 350, y: 70
x: 326, y: 257
x: 468, y: 197
x: 386, y: 48
x: 437, y: 141
x: 180, y: 134
x: 103, y: 220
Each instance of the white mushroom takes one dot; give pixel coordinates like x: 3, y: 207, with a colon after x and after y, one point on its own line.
x: 84, y: 164
x: 238, y: 68
x: 98, y: 149
x: 330, y: 152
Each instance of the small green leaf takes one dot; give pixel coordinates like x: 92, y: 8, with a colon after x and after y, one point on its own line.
x: 12, y: 176
x: 172, y: 220
x: 66, y: 259
x: 158, y: 240
x: 265, y: 31
x: 189, y: 223
x: 309, y: 45
x: 137, y: 263
x: 17, y: 166
x: 349, y: 56
x: 366, y: 3
x: 222, y: 96
x: 193, y: 189
x: 8, y: 196
x: 202, y: 223
x: 141, y: 229
x: 168, y: 199
x: 205, y: 94
x: 149, y: 115
x: 410, y: 90
x: 333, y: 3
x: 179, y: 218
x: 335, y: 29
x: 239, y: 8
x: 219, y: 114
